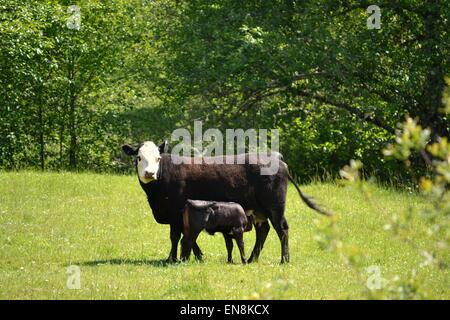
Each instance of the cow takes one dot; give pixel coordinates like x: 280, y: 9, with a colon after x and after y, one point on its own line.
x: 169, y: 180
x: 229, y: 218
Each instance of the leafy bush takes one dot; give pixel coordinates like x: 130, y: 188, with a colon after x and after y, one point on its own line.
x: 435, y: 218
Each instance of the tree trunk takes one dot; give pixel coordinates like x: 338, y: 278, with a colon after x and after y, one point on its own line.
x: 41, y: 134
x: 430, y: 100
x: 72, y: 114
x: 61, y: 138
x: 40, y: 125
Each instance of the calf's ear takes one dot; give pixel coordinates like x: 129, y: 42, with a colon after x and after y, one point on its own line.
x: 210, y: 217
x: 129, y: 150
x: 163, y: 147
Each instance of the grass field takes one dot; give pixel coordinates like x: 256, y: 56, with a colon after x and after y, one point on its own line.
x: 102, y: 223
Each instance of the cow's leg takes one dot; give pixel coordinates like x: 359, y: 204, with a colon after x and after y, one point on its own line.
x: 280, y: 225
x: 197, y: 252
x: 262, y: 229
x: 175, y: 235
x: 229, y: 245
x: 238, y: 235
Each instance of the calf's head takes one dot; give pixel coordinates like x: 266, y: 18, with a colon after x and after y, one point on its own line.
x: 148, y: 157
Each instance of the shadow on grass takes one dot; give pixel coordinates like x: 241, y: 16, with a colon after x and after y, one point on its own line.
x: 97, y: 263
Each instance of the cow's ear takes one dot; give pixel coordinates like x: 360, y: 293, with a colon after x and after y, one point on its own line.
x: 129, y: 150
x: 163, y: 147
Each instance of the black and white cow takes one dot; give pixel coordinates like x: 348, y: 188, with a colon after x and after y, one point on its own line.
x: 168, y: 185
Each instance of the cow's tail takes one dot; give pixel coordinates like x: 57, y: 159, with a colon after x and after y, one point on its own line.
x: 309, y: 202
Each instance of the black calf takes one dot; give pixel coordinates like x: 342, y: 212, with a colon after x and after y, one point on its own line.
x: 226, y: 217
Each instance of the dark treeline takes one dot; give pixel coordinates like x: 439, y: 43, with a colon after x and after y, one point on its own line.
x: 137, y: 70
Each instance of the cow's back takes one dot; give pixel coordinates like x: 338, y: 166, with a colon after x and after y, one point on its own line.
x: 241, y: 183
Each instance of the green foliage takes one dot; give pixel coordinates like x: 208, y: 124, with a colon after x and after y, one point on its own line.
x: 136, y: 70
x: 411, y: 137
x: 435, y: 216
x: 311, y: 69
x: 63, y: 90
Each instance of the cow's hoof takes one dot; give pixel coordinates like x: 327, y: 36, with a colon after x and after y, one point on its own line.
x: 199, y: 258
x: 230, y: 262
x: 172, y: 260
x: 198, y: 254
x: 184, y: 259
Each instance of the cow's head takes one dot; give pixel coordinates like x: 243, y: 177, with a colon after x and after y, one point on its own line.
x: 148, y: 156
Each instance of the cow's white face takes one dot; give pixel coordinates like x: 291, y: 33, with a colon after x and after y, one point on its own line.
x: 148, y: 158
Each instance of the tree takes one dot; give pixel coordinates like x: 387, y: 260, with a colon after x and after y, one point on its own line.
x: 289, y: 62
x: 51, y: 71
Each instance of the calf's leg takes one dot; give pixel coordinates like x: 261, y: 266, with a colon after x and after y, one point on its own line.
x: 238, y: 235
x: 197, y: 252
x: 229, y: 245
x: 187, y: 243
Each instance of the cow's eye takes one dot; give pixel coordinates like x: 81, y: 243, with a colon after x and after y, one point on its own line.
x: 138, y: 158
x: 157, y: 159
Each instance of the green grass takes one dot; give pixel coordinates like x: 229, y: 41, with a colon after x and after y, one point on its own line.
x: 102, y: 223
